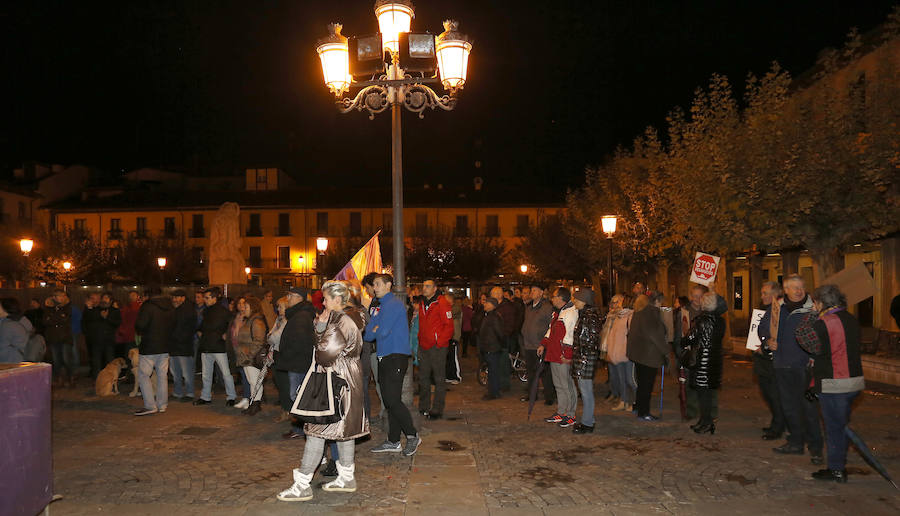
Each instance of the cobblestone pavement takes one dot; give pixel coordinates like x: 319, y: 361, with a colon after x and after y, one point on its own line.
x: 483, y: 458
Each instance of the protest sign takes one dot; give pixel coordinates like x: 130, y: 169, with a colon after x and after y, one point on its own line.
x: 704, y: 269
x: 753, y: 342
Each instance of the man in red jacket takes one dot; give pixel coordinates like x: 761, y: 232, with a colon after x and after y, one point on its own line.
x: 435, y: 332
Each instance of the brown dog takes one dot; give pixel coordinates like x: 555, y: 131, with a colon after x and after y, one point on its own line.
x: 134, y: 357
x: 107, y: 382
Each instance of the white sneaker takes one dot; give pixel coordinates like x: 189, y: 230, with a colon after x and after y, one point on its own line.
x: 244, y: 403
x: 344, y: 483
x: 388, y: 447
x: 300, y: 491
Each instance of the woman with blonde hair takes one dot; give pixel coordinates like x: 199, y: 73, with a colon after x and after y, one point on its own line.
x: 614, y: 344
x: 339, y: 343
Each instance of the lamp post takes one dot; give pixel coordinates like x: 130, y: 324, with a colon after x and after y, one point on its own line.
x: 67, y: 266
x: 608, y: 223
x: 401, y: 80
x: 161, y: 263
x: 321, y: 247
x: 26, y: 245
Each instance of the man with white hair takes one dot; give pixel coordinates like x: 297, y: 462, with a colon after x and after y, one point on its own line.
x: 778, y: 328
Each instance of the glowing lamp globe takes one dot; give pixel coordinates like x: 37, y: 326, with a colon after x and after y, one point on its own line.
x: 608, y: 222
x: 523, y: 268
x: 453, y: 50
x: 322, y: 244
x: 67, y: 265
x: 335, y: 57
x: 26, y: 245
x: 394, y: 17
x: 247, y: 270
x: 161, y: 261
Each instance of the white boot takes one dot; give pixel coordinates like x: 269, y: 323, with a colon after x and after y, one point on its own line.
x: 244, y: 403
x: 300, y: 491
x: 344, y: 483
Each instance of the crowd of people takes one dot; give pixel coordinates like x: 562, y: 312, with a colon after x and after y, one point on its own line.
x: 808, y: 360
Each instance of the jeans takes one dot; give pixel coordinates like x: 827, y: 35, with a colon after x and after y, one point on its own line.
x: 102, y: 352
x: 622, y: 381
x: 432, y: 370
x: 586, y: 386
x: 493, y: 361
x: 252, y: 375
x: 646, y: 377
x: 146, y: 365
x: 63, y: 361
x: 836, y: 414
x: 566, y: 397
x: 531, y: 361
x: 182, y: 376
x: 216, y: 359
x: 391, y: 372
x: 802, y: 416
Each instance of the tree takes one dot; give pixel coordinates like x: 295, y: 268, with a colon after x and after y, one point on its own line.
x: 90, y: 261
x: 550, y: 252
x: 135, y: 261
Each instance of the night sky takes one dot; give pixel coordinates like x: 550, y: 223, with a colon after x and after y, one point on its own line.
x: 216, y: 86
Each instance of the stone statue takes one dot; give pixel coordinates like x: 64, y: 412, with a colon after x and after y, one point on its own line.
x: 226, y: 264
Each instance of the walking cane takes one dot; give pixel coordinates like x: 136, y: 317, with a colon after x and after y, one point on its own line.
x: 662, y: 381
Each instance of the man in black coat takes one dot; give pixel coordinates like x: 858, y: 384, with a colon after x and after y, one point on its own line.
x: 99, y: 324
x: 58, y: 334
x: 216, y: 320
x: 155, y: 321
x: 295, y: 350
x: 181, y: 349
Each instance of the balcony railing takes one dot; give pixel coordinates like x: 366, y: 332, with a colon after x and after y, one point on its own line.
x: 253, y: 232
x: 115, y: 234
x: 197, y: 233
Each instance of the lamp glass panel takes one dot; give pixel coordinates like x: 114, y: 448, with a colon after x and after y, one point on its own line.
x: 392, y: 20
x: 26, y: 245
x: 453, y: 60
x: 335, y: 65
x: 609, y: 224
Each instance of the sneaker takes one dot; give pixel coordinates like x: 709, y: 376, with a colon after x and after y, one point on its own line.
x: 162, y: 409
x: 816, y: 458
x: 388, y: 447
x: 583, y: 429
x: 145, y: 412
x: 244, y: 403
x: 619, y: 406
x: 300, y: 491
x: 412, y: 444
x: 648, y: 417
x: 291, y: 435
x: 555, y: 418
x: 202, y: 401
x: 567, y: 422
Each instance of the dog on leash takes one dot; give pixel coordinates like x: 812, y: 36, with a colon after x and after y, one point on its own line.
x: 135, y: 357
x: 107, y: 382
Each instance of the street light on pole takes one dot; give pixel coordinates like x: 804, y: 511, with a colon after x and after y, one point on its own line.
x: 26, y: 245
x: 395, y: 81
x: 161, y: 263
x: 608, y: 223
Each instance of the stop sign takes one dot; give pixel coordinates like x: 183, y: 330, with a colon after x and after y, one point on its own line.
x: 705, y: 268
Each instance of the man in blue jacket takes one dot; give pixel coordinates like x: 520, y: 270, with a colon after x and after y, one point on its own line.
x: 777, y: 329
x: 388, y: 327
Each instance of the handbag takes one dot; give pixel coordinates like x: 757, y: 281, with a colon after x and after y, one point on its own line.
x: 320, y: 397
x: 689, y: 356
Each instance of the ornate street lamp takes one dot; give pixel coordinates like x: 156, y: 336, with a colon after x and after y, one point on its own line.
x: 321, y: 245
x: 397, y: 79
x: 67, y: 266
x: 523, y: 268
x: 161, y: 262
x: 608, y: 224
x: 26, y: 245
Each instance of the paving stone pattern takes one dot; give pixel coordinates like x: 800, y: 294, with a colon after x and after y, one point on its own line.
x: 485, y: 457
